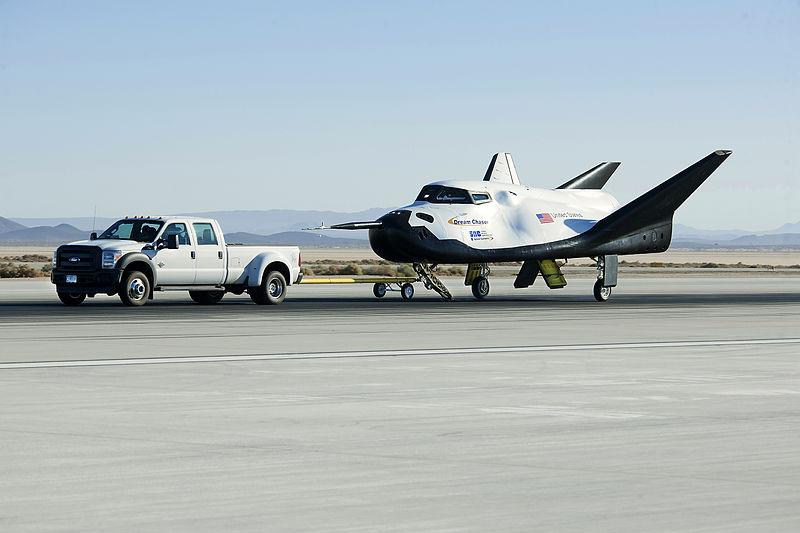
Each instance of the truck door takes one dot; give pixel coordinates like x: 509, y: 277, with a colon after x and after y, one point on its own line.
x: 176, y: 267
x: 210, y: 263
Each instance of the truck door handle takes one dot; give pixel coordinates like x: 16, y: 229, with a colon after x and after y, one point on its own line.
x: 220, y: 254
x: 192, y: 254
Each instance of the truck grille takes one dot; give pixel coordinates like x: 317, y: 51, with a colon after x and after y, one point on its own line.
x: 78, y: 258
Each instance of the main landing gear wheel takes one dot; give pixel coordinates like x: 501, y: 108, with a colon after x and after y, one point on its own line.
x: 480, y: 287
x: 601, y: 294
x: 135, y: 288
x: 206, y: 297
x: 407, y: 291
x: 71, y: 299
x: 271, y: 291
x: 379, y: 290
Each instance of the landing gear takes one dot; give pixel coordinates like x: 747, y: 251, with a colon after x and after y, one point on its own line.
x: 607, y: 266
x: 407, y: 291
x: 476, y: 276
x: 601, y: 293
x: 480, y: 287
x: 427, y: 276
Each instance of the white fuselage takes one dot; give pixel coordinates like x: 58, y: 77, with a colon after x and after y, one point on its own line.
x: 515, y: 216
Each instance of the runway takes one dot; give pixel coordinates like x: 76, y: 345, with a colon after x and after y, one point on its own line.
x: 671, y: 407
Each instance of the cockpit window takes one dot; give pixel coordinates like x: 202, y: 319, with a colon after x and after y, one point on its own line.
x: 439, y: 194
x: 481, y: 197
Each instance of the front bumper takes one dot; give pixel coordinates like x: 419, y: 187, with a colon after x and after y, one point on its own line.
x: 88, y: 282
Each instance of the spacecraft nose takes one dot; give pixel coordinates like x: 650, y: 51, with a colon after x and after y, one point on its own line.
x: 392, y: 240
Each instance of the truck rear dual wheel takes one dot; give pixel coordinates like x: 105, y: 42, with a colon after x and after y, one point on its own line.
x: 206, y: 297
x: 71, y: 299
x: 134, y: 289
x: 272, y: 290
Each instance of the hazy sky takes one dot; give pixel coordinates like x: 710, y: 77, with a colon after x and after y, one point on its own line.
x: 157, y: 107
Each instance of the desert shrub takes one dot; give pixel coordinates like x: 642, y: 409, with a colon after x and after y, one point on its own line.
x: 405, y: 270
x: 455, y: 271
x: 380, y: 270
x: 307, y: 271
x: 10, y: 270
x: 709, y: 265
x: 351, y: 270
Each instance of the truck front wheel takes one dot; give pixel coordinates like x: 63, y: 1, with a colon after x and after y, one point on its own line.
x: 206, y: 297
x: 71, y: 299
x: 135, y: 288
x: 271, y: 291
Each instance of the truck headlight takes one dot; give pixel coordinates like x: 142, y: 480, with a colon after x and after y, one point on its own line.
x: 110, y: 258
x: 55, y: 258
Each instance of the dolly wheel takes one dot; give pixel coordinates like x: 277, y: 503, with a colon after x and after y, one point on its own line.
x: 407, y: 291
x: 379, y: 290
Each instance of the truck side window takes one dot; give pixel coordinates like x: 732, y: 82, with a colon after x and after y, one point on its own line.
x: 205, y: 233
x: 179, y: 229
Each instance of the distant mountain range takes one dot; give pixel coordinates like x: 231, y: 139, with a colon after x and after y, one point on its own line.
x: 280, y: 226
x: 246, y: 227
x: 258, y: 222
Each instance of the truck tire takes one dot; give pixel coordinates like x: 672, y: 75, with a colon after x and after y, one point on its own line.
x: 134, y: 289
x: 206, y: 297
x: 271, y: 291
x: 71, y: 299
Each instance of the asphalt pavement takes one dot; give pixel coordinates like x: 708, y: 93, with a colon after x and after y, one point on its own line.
x: 672, y: 407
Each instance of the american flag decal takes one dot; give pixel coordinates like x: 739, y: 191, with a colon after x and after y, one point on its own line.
x: 544, y: 218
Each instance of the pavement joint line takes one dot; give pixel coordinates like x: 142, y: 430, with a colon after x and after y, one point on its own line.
x: 390, y: 353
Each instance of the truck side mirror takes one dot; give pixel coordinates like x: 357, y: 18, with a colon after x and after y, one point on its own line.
x: 93, y: 236
x: 172, y: 241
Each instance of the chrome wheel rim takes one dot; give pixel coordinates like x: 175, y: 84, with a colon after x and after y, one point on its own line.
x: 605, y: 292
x: 275, y: 288
x: 136, y: 289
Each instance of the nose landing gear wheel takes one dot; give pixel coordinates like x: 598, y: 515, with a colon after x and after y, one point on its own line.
x: 601, y: 294
x: 407, y: 291
x: 480, y: 287
x: 379, y: 290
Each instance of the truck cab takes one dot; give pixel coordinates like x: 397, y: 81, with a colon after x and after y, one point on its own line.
x: 138, y: 256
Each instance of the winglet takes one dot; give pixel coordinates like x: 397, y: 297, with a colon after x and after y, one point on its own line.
x: 502, y: 169
x: 594, y: 178
x: 658, y: 204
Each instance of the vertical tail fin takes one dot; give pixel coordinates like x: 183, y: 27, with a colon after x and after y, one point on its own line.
x: 502, y: 169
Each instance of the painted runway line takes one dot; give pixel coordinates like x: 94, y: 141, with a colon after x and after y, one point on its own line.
x: 393, y: 353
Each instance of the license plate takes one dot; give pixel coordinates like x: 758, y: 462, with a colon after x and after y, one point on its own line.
x: 72, y: 278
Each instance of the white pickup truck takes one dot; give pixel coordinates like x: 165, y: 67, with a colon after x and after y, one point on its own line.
x: 137, y: 256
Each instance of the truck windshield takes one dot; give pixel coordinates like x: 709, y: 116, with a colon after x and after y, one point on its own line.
x: 133, y: 230
x: 439, y: 194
